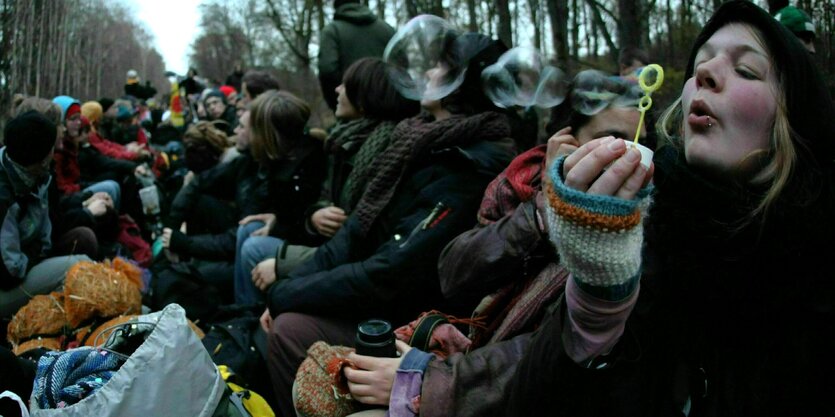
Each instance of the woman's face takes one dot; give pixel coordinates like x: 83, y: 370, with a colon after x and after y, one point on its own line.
x: 620, y: 122
x: 242, y: 132
x: 345, y: 110
x: 729, y: 104
x: 73, y: 125
x: 435, y: 77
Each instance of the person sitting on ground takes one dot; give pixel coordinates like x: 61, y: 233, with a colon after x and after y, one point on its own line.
x: 425, y: 190
x: 293, y: 166
x: 218, y: 110
x: 508, y: 260
x: 210, y: 205
x: 133, y: 151
x: 710, y: 292
x: 368, y: 108
x: 25, y: 269
x: 799, y: 23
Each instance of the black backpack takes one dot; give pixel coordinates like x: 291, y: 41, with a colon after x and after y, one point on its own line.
x: 241, y: 344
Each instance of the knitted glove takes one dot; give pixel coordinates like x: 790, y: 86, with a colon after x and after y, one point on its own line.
x: 598, y: 238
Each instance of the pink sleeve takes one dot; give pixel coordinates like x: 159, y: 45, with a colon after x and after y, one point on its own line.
x: 595, y: 325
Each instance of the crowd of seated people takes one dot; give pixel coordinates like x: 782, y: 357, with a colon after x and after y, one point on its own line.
x: 573, y: 277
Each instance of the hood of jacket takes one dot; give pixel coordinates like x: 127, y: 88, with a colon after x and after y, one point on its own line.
x: 355, y: 13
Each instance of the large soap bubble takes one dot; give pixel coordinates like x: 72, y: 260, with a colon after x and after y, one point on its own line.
x: 418, y: 57
x: 522, y: 78
x: 594, y: 90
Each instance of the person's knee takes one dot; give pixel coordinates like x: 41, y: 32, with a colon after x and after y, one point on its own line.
x: 289, y: 330
x: 254, y: 250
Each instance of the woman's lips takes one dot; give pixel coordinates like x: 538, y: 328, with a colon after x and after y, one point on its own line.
x: 700, y: 122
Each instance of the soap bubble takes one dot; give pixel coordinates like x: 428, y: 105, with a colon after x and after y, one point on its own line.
x: 418, y: 58
x: 521, y: 77
x: 594, y: 91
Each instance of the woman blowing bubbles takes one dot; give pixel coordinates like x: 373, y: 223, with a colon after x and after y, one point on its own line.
x: 720, y: 302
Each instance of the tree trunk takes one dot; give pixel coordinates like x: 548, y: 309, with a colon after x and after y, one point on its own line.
x: 505, y: 32
x: 629, y: 25
x: 472, y: 26
x: 558, y: 14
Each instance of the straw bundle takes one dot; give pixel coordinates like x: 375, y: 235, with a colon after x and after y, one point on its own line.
x: 42, y: 316
x: 97, y: 290
x: 131, y: 271
x: 49, y: 343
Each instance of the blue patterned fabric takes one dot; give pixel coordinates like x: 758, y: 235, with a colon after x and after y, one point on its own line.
x: 65, y: 378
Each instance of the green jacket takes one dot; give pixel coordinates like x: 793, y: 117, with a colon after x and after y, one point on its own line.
x: 355, y: 33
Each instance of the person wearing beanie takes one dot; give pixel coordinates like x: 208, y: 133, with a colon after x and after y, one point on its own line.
x: 425, y: 190
x: 218, y: 109
x: 700, y: 285
x: 355, y: 33
x: 24, y: 210
x: 799, y: 23
x: 93, y: 111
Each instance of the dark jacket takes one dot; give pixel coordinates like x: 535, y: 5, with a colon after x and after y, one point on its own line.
x: 392, y: 272
x: 234, y: 182
x: 288, y: 187
x: 96, y: 167
x: 355, y: 33
x: 509, y: 259
x: 729, y: 321
x: 25, y: 229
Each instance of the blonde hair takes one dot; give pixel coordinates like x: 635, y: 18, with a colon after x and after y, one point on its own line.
x: 278, y: 121
x: 778, y: 161
x: 43, y: 106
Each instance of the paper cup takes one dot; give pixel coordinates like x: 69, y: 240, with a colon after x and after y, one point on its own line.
x: 150, y: 200
x: 646, y: 153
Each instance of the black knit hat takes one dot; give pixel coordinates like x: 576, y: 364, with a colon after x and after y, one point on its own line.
x: 810, y: 109
x: 475, y: 52
x: 29, y: 138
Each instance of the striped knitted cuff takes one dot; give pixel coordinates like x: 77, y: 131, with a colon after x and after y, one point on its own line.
x: 599, y: 238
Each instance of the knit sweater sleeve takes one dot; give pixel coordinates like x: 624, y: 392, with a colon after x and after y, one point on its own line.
x: 599, y: 239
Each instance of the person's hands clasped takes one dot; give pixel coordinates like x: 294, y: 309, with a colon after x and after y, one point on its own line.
x: 267, y: 218
x: 371, y: 383
x: 98, y: 204
x: 328, y: 220
x: 263, y: 275
x: 583, y: 170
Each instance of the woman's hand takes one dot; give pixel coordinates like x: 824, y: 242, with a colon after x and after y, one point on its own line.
x: 267, y: 218
x: 266, y: 320
x: 328, y: 220
x: 584, y: 169
x: 562, y: 143
x: 372, y: 382
x: 263, y: 275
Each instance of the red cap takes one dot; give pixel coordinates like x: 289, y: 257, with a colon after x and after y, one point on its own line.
x: 227, y: 90
x: 73, y: 109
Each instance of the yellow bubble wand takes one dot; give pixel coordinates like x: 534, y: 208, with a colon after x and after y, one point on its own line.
x: 646, y: 100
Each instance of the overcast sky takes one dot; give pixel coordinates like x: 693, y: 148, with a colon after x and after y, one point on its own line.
x: 173, y: 23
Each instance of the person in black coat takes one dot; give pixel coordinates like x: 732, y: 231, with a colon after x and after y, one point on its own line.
x: 382, y: 263
x: 721, y: 301
x: 292, y: 169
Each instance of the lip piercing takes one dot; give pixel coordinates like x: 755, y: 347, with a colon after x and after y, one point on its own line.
x: 709, y: 124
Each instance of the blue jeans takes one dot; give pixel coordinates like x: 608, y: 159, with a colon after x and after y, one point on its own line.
x: 250, y: 251
x: 111, y: 188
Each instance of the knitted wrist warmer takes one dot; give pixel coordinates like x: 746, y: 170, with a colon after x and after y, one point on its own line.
x: 598, y: 238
